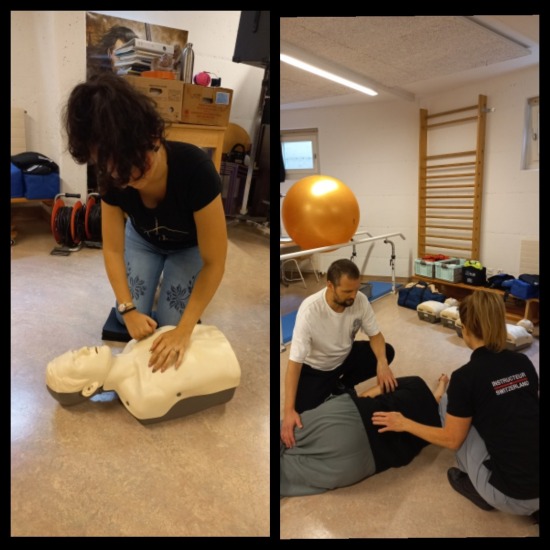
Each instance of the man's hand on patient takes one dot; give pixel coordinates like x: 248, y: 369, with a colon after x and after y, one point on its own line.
x: 290, y: 421
x: 385, y: 377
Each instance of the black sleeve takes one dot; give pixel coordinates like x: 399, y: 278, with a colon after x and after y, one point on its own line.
x: 206, y: 185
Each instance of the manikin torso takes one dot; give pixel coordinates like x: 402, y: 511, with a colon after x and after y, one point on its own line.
x: 209, y: 367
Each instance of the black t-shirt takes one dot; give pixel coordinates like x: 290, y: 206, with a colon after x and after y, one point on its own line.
x: 499, y: 391
x: 193, y: 182
x: 413, y: 399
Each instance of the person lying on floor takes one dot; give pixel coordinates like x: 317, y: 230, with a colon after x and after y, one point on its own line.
x: 338, y: 444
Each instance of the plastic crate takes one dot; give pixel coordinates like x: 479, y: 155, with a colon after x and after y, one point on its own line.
x: 429, y: 317
x: 458, y: 327
x: 449, y: 270
x: 430, y: 311
x: 449, y: 317
x: 424, y: 268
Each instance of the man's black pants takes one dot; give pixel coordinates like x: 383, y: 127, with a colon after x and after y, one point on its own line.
x: 316, y: 385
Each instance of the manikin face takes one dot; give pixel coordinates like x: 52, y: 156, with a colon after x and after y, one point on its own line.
x: 83, y: 370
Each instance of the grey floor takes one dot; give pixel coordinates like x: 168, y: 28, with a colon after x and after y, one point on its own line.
x: 93, y: 469
x: 414, y: 501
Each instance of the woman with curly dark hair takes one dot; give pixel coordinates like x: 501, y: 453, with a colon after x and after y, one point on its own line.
x: 162, y: 218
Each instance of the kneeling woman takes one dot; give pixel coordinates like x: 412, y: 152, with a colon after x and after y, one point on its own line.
x: 338, y: 444
x: 491, y: 416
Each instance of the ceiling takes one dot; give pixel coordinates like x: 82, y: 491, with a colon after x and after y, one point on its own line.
x: 401, y: 57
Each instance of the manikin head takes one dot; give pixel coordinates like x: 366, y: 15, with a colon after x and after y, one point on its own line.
x: 77, y: 375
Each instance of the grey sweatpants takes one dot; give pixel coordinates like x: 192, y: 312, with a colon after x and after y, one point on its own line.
x: 332, y: 450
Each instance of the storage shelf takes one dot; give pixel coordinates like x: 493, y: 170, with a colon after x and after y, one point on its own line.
x: 23, y: 200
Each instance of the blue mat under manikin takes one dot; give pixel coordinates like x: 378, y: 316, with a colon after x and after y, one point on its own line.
x: 378, y: 289
x: 113, y: 330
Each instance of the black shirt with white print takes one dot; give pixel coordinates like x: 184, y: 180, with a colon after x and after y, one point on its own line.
x: 192, y: 184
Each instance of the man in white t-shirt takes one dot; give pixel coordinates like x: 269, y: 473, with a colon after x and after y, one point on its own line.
x: 324, y: 356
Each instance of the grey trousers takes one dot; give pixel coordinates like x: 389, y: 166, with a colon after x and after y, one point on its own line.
x: 332, y: 450
x: 470, y: 458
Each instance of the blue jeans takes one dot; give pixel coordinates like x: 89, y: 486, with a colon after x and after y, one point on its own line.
x: 470, y: 458
x: 145, y: 263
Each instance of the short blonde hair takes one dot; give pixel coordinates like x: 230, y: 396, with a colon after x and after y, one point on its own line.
x: 484, y: 315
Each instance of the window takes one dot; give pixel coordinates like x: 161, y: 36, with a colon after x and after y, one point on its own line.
x: 300, y: 156
x: 532, y: 136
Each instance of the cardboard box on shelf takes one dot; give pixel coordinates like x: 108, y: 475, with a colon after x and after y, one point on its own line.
x: 168, y: 94
x: 206, y: 105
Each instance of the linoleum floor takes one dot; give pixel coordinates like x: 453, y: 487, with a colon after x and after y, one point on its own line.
x: 93, y: 469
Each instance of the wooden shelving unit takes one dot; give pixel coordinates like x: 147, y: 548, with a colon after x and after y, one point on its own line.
x: 209, y: 137
x: 21, y: 201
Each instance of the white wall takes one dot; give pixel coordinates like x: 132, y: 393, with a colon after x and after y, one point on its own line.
x: 48, y: 58
x: 373, y: 149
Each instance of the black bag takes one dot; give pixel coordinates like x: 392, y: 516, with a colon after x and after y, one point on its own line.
x: 35, y: 163
x: 473, y: 273
x: 496, y: 281
x: 530, y: 279
x: 412, y: 296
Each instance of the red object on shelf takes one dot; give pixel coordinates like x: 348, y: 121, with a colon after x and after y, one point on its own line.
x: 435, y: 257
x: 202, y: 79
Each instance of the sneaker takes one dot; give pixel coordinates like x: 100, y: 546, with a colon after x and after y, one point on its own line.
x: 461, y: 483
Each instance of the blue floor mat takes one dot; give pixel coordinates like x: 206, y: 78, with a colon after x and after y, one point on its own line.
x: 378, y: 289
x: 288, y: 326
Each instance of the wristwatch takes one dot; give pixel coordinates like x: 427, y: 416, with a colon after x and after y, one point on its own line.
x: 126, y: 307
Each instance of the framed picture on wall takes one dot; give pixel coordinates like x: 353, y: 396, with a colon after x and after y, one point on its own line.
x: 105, y: 34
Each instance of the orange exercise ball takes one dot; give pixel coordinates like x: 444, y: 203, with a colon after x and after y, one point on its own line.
x: 320, y: 211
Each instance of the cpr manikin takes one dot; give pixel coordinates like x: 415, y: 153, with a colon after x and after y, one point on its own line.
x: 208, y: 376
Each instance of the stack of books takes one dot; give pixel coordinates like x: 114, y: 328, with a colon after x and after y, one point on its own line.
x: 136, y: 56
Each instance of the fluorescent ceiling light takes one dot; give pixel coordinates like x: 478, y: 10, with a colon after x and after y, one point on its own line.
x: 325, y: 74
